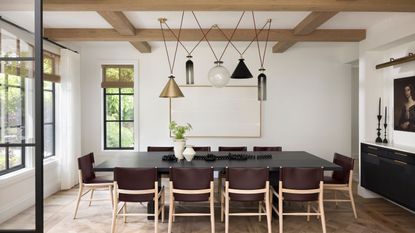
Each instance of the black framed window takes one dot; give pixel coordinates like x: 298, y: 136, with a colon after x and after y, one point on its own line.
x: 118, y: 107
x: 49, y: 119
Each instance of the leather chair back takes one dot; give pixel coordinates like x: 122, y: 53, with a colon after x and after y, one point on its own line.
x: 247, y: 179
x: 232, y: 148
x: 160, y: 148
x: 267, y: 148
x: 86, y: 165
x: 201, y: 148
x: 301, y: 179
x: 347, y: 164
x: 191, y: 179
x: 135, y: 179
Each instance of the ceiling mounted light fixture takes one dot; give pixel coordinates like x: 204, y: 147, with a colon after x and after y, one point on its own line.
x: 219, y: 76
x: 171, y: 89
x: 241, y: 71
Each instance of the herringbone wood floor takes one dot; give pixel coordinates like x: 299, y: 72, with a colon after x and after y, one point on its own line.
x: 374, y: 216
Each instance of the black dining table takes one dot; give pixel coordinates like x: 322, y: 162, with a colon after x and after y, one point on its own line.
x: 272, y: 159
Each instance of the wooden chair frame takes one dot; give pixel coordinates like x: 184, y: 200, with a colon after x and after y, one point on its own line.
x: 343, y: 188
x: 264, y: 205
x: 172, y: 207
x: 91, y: 188
x: 158, y: 207
x: 318, y: 212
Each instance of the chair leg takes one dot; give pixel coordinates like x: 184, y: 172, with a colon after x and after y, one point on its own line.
x: 170, y: 214
x: 226, y: 213
x: 124, y: 210
x: 280, y: 210
x: 352, y: 201
x: 114, y: 217
x: 268, y: 212
x: 112, y: 196
x: 259, y: 211
x: 321, y: 209
x: 308, y: 211
x: 222, y: 207
x: 212, y: 212
x: 163, y: 203
x: 78, y: 200
x: 174, y: 211
x: 156, y: 212
x: 92, y: 196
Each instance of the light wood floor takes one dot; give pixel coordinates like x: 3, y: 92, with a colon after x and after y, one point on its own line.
x: 375, y: 216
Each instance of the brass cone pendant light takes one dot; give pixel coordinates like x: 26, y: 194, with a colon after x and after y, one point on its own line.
x: 241, y: 71
x: 171, y: 90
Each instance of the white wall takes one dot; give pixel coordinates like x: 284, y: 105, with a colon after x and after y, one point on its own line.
x: 385, y: 40
x: 308, y: 106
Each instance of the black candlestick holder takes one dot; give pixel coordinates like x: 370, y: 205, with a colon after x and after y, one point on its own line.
x: 379, y: 139
x: 385, y: 140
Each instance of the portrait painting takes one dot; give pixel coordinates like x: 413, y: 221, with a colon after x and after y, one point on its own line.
x: 404, y: 104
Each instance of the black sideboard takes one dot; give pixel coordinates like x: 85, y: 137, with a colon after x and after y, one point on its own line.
x: 389, y: 172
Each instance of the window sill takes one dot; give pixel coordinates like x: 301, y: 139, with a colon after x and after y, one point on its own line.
x: 23, y: 174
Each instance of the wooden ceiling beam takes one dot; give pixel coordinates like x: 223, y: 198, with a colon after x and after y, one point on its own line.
x: 305, y: 27
x: 82, y: 34
x: 230, y: 5
x: 123, y: 26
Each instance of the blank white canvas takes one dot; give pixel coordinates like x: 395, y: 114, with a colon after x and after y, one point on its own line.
x: 232, y: 111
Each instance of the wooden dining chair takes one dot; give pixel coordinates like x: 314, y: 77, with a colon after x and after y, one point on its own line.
x: 300, y: 185
x: 201, y: 148
x: 230, y: 149
x: 191, y: 185
x: 136, y: 185
x: 246, y: 185
x: 160, y: 149
x: 267, y: 148
x: 88, y: 180
x: 341, y: 180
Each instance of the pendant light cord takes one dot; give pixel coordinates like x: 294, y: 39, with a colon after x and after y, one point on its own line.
x: 229, y: 40
x: 262, y: 60
x: 171, y: 65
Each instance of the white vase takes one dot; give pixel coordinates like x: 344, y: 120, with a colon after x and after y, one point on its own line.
x: 179, y: 145
x: 189, y: 153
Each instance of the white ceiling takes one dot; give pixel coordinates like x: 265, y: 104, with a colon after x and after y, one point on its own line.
x: 148, y: 19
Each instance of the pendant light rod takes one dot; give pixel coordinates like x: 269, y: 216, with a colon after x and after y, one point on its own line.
x: 261, y: 59
x: 229, y: 40
x: 163, y: 21
x: 233, y: 33
x: 204, y: 36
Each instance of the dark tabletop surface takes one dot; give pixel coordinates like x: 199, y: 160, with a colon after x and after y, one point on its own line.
x: 279, y: 159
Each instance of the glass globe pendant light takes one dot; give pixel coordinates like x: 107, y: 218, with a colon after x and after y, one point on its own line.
x: 262, y: 85
x: 190, y: 74
x: 219, y: 76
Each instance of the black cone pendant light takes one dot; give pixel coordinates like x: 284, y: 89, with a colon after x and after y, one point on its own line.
x: 262, y: 85
x: 190, y: 74
x: 241, y: 71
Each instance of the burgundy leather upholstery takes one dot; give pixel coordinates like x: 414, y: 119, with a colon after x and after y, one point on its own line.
x: 191, y: 179
x: 341, y: 177
x: 160, y: 148
x: 232, y: 148
x: 86, y: 165
x: 301, y: 179
x: 267, y: 148
x: 247, y: 179
x: 201, y: 148
x: 135, y: 179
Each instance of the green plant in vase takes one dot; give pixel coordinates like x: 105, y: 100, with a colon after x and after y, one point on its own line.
x: 179, y: 132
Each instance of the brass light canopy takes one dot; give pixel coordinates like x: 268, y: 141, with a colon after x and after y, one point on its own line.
x: 171, y: 90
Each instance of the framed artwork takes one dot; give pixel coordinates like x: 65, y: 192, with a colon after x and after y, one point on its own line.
x: 404, y: 104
